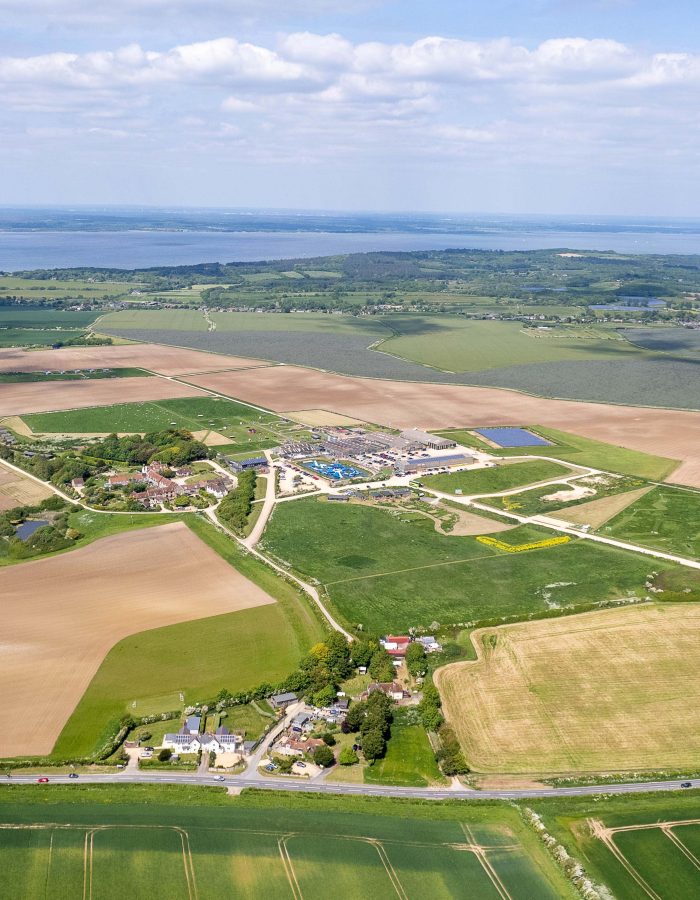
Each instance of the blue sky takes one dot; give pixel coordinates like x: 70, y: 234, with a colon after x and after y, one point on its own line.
x: 507, y: 106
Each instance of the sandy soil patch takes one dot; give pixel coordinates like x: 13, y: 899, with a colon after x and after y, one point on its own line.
x: 37, y: 396
x: 154, y: 357
x: 16, y: 490
x: 671, y: 433
x: 211, y: 438
x: 597, y: 512
x: 613, y: 690
x: 63, y: 614
x: 575, y: 492
x: 469, y: 523
x: 321, y: 417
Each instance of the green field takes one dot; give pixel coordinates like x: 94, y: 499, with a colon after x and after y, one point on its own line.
x: 32, y: 317
x: 143, y: 842
x: 532, y: 502
x: 45, y: 289
x: 499, y: 478
x: 409, y: 758
x: 666, y: 870
x: 582, y: 451
x: 27, y: 337
x: 249, y: 429
x: 665, y: 519
x: 193, y: 320
x: 86, y: 375
x: 390, y: 574
x: 145, y: 673
x: 465, y: 345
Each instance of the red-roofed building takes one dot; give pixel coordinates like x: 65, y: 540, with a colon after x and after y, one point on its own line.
x: 395, y: 646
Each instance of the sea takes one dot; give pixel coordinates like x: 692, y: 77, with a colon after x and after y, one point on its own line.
x: 124, y: 248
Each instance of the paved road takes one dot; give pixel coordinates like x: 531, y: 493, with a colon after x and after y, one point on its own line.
x: 325, y: 787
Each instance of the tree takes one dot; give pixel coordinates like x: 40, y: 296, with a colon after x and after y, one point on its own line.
x: 415, y: 659
x: 362, y: 652
x: 381, y: 668
x: 165, y: 754
x: 348, y: 757
x: 355, y: 716
x: 329, y: 739
x: 373, y: 745
x: 325, y: 696
x: 323, y: 757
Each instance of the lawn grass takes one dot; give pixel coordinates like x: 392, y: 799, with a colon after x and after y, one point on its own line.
x: 498, y: 478
x: 666, y: 519
x: 247, y: 719
x: 232, y: 846
x: 580, y: 450
x: 391, y: 574
x: 409, y: 759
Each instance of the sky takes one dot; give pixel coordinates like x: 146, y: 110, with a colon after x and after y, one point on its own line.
x: 581, y: 107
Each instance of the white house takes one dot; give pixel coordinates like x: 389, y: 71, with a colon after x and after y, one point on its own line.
x: 221, y: 742
x: 429, y: 644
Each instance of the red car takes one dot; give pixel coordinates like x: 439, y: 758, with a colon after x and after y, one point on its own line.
x: 42, y: 780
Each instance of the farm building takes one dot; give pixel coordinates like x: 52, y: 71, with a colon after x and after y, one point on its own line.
x: 422, y: 438
x: 395, y: 646
x: 281, y: 701
x: 391, y: 688
x: 453, y: 461
x: 242, y: 465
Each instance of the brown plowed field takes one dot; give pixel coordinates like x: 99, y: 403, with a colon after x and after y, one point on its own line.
x: 18, y: 490
x: 43, y: 396
x: 155, y: 357
x: 60, y: 617
x: 671, y: 433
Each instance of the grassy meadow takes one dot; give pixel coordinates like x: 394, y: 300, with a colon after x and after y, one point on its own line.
x: 666, y: 519
x: 502, y: 477
x: 409, y: 759
x: 463, y: 345
x: 182, y: 842
x: 389, y: 573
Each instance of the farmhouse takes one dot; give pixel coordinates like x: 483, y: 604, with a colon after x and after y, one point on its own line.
x: 221, y: 742
x: 391, y: 688
x: 293, y: 747
x: 395, y: 646
x: 123, y: 479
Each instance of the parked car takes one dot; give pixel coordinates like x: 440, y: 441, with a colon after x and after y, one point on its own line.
x: 42, y: 780
x: 302, y: 765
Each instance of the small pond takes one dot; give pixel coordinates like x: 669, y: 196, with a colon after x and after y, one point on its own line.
x: 27, y: 528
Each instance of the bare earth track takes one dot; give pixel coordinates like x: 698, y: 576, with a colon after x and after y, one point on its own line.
x: 672, y: 433
x: 61, y: 616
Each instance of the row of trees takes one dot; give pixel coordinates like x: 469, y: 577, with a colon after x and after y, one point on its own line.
x: 236, y: 506
x: 449, y: 756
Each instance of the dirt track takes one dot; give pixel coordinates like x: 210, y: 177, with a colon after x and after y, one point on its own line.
x: 43, y: 396
x: 671, y: 433
x: 155, y: 357
x: 60, y: 616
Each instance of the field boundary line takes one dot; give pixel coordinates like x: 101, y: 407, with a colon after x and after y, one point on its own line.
x: 48, y: 866
x: 288, y: 867
x: 453, y: 562
x: 187, y: 862
x: 672, y: 836
x: 605, y: 836
x: 646, y: 825
x: 492, y: 874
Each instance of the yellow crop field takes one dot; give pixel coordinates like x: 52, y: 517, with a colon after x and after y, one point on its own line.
x: 609, y: 691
